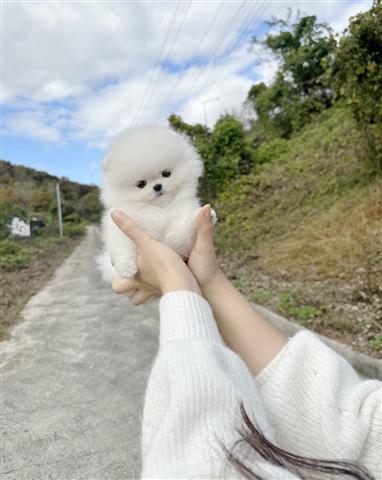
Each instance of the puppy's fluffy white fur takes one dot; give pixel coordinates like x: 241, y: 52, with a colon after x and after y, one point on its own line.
x: 149, y: 156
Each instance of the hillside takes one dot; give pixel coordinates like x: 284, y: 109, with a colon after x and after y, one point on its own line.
x: 26, y: 263
x: 28, y: 193
x: 303, y: 232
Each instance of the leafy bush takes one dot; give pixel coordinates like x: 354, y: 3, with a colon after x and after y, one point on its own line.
x: 14, y: 255
x: 376, y: 342
x: 230, y: 152
x: 269, y: 151
x: 72, y: 218
x: 358, y: 76
x: 74, y: 230
x: 301, y: 89
x: 224, y: 150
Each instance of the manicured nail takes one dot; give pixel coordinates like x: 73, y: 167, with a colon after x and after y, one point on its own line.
x: 117, y: 215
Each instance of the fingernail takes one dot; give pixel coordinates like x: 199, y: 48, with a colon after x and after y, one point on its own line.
x: 117, y: 215
x: 207, y: 211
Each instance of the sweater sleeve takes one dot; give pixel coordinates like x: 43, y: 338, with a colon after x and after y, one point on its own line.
x: 192, y: 398
x: 320, y: 407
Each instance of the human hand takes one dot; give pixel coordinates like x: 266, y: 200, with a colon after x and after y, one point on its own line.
x: 202, y: 261
x: 160, y: 268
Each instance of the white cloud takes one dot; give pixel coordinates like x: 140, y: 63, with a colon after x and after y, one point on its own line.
x: 96, y: 59
x: 35, y: 124
x: 341, y: 22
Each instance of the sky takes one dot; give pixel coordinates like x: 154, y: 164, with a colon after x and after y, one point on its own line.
x: 76, y: 73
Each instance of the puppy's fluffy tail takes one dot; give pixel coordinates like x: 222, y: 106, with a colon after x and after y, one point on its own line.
x: 109, y: 274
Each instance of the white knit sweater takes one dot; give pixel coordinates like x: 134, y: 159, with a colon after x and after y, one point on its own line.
x: 308, y: 400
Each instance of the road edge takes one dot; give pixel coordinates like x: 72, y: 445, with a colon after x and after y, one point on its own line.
x: 367, y: 366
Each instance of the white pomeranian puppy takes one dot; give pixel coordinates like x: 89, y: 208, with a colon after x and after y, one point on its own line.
x: 150, y: 173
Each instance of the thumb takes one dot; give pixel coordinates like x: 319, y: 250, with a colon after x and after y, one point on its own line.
x: 129, y: 227
x: 204, y: 231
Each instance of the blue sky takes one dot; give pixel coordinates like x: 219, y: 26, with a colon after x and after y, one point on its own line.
x: 77, y: 73
x: 76, y: 161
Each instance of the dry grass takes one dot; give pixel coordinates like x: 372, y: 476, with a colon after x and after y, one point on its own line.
x: 19, y: 284
x: 303, y: 234
x: 336, y: 242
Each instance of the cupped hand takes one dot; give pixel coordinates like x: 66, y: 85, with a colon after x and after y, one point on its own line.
x: 160, y: 268
x: 202, y: 261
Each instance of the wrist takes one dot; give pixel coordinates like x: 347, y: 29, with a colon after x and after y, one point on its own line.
x: 180, y: 281
x: 214, y: 284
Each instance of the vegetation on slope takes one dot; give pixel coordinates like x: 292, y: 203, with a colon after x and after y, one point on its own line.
x: 302, y: 233
x: 26, y: 263
x: 298, y: 196
x: 28, y: 193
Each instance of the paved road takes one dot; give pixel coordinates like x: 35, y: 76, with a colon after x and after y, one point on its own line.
x: 74, y: 374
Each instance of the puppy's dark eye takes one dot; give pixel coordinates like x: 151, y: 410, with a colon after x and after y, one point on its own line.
x: 141, y: 183
x: 166, y: 173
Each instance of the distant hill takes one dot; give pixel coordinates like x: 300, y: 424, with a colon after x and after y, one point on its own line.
x: 29, y: 193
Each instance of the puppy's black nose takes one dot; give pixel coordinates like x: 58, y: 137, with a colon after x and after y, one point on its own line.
x: 157, y: 187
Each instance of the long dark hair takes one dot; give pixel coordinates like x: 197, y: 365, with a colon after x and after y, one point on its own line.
x: 253, y: 436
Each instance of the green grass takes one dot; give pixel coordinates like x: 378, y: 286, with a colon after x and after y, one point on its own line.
x: 26, y: 264
x: 18, y: 253
x: 15, y: 254
x: 75, y: 229
x: 376, y: 343
x: 261, y: 296
x: 288, y: 304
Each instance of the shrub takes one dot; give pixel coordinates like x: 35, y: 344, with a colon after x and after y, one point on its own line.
x: 72, y: 218
x: 230, y: 156
x: 268, y: 151
x: 376, y: 343
x: 358, y: 76
x: 74, y: 230
x: 14, y: 255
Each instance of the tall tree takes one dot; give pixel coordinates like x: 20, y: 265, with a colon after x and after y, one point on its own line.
x: 358, y: 76
x: 305, y: 49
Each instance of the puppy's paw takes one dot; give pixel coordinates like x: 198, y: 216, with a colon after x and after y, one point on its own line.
x: 126, y: 268
x: 214, y: 217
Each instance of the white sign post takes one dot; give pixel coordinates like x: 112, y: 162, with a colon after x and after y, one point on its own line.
x: 59, y: 212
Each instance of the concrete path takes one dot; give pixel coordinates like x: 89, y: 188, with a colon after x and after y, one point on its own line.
x: 73, y: 378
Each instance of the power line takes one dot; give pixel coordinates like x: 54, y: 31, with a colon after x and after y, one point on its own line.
x: 193, y: 55
x: 191, y: 85
x: 212, y: 80
x: 149, y: 83
x: 167, y: 56
x: 231, y: 48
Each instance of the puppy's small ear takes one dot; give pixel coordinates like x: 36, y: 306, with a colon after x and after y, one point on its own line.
x: 106, y: 162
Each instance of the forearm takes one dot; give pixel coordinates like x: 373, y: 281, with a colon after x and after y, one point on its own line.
x: 244, y: 331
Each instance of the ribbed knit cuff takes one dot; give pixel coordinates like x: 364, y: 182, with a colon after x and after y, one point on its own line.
x: 186, y: 316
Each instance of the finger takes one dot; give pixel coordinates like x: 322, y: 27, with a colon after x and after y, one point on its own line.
x: 141, y: 296
x: 125, y: 285
x: 130, y: 228
x: 204, y: 231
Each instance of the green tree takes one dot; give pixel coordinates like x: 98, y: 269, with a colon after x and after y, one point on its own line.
x: 358, y: 76
x: 90, y: 207
x: 200, y: 137
x: 305, y: 50
x: 224, y: 151
x: 229, y: 148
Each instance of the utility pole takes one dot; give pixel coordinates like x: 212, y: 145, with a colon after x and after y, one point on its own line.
x: 59, y: 212
x: 205, y: 110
